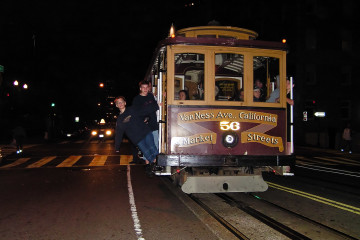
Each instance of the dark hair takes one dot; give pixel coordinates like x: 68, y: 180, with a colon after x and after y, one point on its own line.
x: 119, y: 97
x: 186, y: 94
x: 143, y: 82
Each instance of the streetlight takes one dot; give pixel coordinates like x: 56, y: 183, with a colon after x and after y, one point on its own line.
x: 25, y: 86
x: 319, y: 114
x: 16, y: 83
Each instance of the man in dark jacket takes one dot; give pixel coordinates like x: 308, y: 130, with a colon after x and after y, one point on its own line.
x: 131, y: 122
x: 146, y: 99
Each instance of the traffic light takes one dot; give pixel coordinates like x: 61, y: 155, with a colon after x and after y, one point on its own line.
x: 305, y: 116
x: 52, y: 104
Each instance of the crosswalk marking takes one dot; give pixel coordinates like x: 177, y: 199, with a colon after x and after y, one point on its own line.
x: 41, y: 162
x: 125, y: 159
x: 98, y: 161
x: 7, y: 150
x: 17, y: 162
x: 69, y: 161
x: 102, y: 160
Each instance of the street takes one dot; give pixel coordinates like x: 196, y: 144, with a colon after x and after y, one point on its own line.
x: 83, y: 190
x: 89, y: 203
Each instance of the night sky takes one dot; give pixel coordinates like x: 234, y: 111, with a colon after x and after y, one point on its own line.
x: 64, y: 49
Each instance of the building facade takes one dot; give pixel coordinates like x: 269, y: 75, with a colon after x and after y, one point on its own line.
x: 326, y: 68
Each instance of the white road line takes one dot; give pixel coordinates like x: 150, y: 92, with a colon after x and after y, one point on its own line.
x: 17, y: 162
x: 136, y: 220
x: 41, y: 162
x: 98, y: 161
x: 30, y: 146
x: 69, y: 161
x: 335, y: 160
x: 125, y: 159
x: 348, y: 160
x: 329, y: 170
x: 314, y: 161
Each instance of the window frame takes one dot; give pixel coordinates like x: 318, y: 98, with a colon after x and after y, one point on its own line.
x: 209, y: 73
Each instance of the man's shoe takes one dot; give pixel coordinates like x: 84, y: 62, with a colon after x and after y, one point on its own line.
x: 155, y: 167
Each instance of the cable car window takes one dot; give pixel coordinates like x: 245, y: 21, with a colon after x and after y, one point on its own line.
x: 266, y: 79
x: 230, y: 37
x: 206, y: 36
x: 229, y: 75
x: 189, y: 76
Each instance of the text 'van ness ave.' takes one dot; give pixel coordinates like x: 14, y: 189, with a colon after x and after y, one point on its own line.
x: 227, y: 115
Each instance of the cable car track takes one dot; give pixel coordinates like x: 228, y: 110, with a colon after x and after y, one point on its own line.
x: 220, y: 219
x: 263, y: 218
x: 282, y: 228
x: 341, y: 234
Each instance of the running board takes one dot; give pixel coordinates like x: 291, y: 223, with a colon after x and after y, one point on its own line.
x: 220, y: 184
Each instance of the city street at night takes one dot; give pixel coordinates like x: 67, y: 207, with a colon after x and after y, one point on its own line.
x: 186, y: 119
x: 64, y: 191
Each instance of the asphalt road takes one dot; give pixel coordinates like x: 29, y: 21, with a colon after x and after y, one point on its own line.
x: 51, y: 202
x: 82, y: 190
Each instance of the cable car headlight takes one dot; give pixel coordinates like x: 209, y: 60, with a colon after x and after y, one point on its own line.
x: 94, y: 133
x: 230, y: 139
x: 108, y: 132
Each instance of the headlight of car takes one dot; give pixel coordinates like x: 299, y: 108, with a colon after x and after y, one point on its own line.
x: 108, y: 132
x: 94, y: 133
